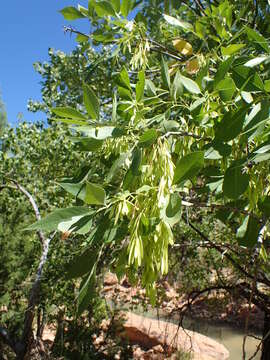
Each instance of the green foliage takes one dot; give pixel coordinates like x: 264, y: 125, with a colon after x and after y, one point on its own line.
x: 29, y: 156
x: 197, y: 112
x: 3, y: 116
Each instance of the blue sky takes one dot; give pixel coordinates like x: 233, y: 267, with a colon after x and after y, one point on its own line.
x: 27, y: 29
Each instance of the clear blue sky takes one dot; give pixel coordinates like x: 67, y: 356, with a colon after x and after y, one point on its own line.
x: 27, y: 29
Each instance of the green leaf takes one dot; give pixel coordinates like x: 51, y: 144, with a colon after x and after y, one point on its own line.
x: 177, y: 86
x: 256, y: 118
x: 91, y: 194
x: 87, y: 291
x: 100, y: 132
x: 267, y: 85
x: 246, y: 78
x: 104, y: 8
x: 71, y: 13
x: 177, y: 22
x: 68, y: 112
x: 173, y: 211
x: 231, y: 49
x: 126, y: 7
x: 136, y: 161
x: 217, y: 150
x: 83, y: 225
x: 148, y: 138
x: 69, y: 121
x: 169, y: 125
x: 123, y: 79
x: 150, y: 88
x: 247, y: 97
x: 77, y: 190
x: 117, y: 165
x: 91, y: 102
x: 140, y: 86
x: 256, y: 61
x: 188, y: 166
x: 81, y: 264
x: 116, y: 5
x: 248, y: 233
x: 257, y: 39
x: 87, y: 144
x: 231, y: 125
x: 235, y: 182
x: 226, y: 89
x: 52, y: 221
x: 124, y: 93
x: 165, y: 74
x: 128, y: 180
x: 264, y: 205
x: 190, y: 85
x: 80, y: 38
x: 83, y: 10
x: 94, y: 194
x: 222, y: 71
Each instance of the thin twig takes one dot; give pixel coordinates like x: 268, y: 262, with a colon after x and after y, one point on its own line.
x: 199, y: 4
x: 221, y: 251
x: 190, y: 202
x: 185, y: 133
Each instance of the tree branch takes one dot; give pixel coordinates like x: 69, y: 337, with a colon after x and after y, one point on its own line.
x: 21, y: 347
x: 34, y: 293
x: 224, y: 253
x: 185, y: 133
x: 200, y: 7
x: 32, y: 202
x: 192, y: 202
x: 158, y: 47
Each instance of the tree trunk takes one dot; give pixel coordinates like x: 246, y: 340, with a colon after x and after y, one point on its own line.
x: 266, y: 337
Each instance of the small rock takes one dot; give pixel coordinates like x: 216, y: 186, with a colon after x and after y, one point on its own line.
x: 110, y: 279
x: 158, y: 348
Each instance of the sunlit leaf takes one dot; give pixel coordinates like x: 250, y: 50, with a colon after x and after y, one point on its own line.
x: 67, y: 112
x: 247, y: 234
x: 257, y: 39
x: 71, y: 13
x: 188, y: 166
x: 177, y: 22
x: 91, y: 102
x: 190, y: 85
x: 51, y: 221
x: 256, y: 61
x: 184, y: 47
x: 231, y: 49
x: 226, y: 89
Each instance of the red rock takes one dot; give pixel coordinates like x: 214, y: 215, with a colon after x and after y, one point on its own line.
x: 150, y: 333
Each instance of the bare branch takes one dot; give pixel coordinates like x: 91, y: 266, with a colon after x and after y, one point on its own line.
x: 33, y: 203
x: 221, y: 251
x: 199, y: 5
x: 34, y: 293
x: 192, y: 202
x: 185, y: 133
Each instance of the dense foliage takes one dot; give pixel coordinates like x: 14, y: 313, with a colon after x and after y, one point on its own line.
x: 191, y: 131
x: 167, y: 105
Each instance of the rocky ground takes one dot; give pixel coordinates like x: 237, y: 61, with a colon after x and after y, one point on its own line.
x: 217, y: 308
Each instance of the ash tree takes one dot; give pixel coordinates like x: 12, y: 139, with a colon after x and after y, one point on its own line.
x: 181, y: 124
